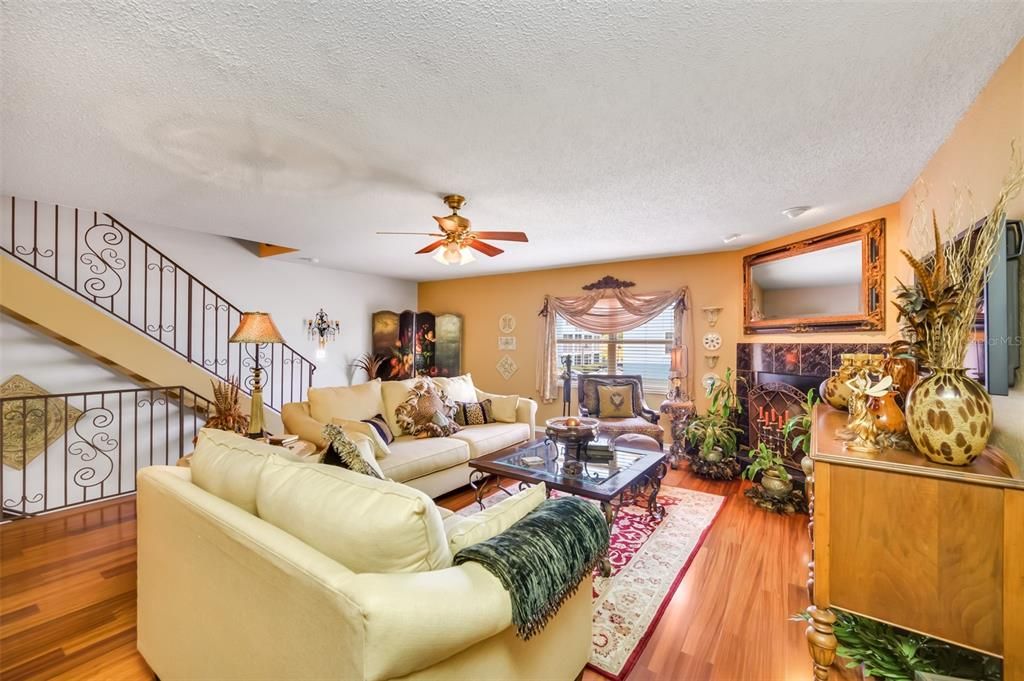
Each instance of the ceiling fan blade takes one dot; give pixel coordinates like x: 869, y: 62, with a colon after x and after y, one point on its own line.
x: 432, y: 247
x: 485, y: 248
x: 414, y: 233
x: 501, y: 236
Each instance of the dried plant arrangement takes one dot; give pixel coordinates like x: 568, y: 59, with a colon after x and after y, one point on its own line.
x: 938, y: 310
x: 228, y: 414
x: 370, y: 363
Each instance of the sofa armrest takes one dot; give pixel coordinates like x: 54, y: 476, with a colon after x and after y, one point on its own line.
x: 296, y: 419
x: 464, y: 605
x: 526, y: 412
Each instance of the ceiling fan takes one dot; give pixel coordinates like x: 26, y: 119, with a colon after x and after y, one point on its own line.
x: 458, y: 237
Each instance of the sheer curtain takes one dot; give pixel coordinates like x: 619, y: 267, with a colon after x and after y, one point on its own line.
x: 609, y: 311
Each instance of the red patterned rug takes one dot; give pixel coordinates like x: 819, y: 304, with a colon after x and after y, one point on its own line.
x: 648, y: 561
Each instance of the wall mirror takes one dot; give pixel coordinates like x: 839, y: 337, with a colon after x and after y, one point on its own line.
x: 833, y: 282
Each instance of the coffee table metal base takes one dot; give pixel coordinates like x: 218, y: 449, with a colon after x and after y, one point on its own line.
x: 643, y: 492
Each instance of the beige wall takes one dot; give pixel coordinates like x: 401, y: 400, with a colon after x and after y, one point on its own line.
x: 976, y: 156
x: 714, y: 279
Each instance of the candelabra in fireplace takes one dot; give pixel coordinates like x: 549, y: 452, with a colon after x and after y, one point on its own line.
x: 769, y: 406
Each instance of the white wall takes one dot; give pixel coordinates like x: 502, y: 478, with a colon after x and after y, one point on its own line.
x: 98, y: 454
x: 290, y: 292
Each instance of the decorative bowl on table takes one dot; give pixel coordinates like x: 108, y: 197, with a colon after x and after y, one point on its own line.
x: 571, y: 430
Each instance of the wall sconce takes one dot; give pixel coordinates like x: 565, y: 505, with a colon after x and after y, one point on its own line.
x: 711, y: 361
x: 322, y: 329
x: 711, y: 315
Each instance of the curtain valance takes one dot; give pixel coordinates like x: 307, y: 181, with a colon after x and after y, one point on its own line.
x: 612, y: 310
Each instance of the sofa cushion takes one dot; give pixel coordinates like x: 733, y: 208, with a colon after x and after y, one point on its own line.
x: 413, y: 458
x: 473, y: 413
x: 491, y: 437
x: 459, y: 388
x: 393, y: 393
x: 380, y: 424
x: 355, y: 402
x: 634, y: 424
x: 228, y: 465
x: 342, y: 451
x: 364, y: 429
x: 495, y: 519
x: 502, y: 406
x: 615, y: 401
x: 427, y: 411
x: 367, y: 525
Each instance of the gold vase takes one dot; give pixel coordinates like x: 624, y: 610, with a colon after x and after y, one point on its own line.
x: 949, y: 416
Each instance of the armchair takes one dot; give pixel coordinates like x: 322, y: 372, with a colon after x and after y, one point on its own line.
x: 644, y: 419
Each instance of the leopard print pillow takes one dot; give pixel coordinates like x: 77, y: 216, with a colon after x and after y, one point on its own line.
x: 427, y: 412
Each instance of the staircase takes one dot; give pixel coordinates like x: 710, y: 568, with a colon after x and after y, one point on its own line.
x: 119, y: 279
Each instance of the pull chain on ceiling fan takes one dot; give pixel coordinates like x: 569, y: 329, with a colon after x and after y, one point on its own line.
x: 458, y: 238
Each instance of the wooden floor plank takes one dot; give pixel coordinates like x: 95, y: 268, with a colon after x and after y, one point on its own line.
x: 67, y: 593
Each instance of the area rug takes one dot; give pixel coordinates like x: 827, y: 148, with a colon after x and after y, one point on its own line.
x: 648, y: 561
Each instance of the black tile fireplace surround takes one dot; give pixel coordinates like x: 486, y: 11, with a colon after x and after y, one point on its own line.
x: 800, y: 365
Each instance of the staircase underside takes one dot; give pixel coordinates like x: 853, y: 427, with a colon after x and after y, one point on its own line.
x: 65, y: 316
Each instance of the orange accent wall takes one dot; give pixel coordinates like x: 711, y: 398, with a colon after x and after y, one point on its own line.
x: 714, y: 279
x: 976, y: 156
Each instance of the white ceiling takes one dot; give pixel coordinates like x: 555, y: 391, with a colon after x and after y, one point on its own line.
x: 607, y: 130
x: 832, y: 266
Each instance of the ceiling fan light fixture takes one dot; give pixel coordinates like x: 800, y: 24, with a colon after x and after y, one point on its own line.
x: 453, y: 255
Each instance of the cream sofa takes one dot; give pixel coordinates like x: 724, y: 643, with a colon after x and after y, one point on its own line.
x: 251, y: 566
x: 432, y: 465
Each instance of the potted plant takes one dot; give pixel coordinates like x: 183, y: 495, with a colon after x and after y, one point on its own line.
x: 799, y: 426
x: 714, y: 436
x: 775, y: 480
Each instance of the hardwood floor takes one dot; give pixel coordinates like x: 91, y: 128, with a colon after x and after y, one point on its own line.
x: 67, y: 597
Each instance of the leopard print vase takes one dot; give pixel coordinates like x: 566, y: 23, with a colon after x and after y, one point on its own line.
x: 949, y: 416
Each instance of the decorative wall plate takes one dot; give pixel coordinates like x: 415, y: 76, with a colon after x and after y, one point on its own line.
x: 507, y: 367
x: 507, y: 323
x: 506, y: 342
x: 712, y: 340
x: 709, y: 380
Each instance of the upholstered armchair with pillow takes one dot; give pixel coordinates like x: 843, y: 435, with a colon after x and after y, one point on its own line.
x: 435, y: 465
x: 253, y: 566
x: 617, y: 401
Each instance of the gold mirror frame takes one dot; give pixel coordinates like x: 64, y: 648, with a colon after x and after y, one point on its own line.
x: 872, y: 287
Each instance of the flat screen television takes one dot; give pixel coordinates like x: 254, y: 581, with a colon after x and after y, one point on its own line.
x: 994, y: 355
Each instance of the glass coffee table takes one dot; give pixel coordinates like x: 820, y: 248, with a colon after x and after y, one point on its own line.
x: 614, y: 477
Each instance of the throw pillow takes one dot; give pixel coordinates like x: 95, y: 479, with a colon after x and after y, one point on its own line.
x: 379, y: 424
x: 341, y: 451
x: 459, y: 388
x: 379, y: 446
x: 590, y: 400
x: 502, y: 406
x: 427, y: 412
x: 473, y: 413
x: 615, y: 401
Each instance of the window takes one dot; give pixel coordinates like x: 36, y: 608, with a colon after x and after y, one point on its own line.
x: 646, y: 350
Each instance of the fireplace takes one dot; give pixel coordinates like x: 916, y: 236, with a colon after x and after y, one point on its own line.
x: 776, y: 378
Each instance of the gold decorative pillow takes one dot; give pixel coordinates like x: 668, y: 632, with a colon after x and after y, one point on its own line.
x: 615, y: 401
x: 427, y: 412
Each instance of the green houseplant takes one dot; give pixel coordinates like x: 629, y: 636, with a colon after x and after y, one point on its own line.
x: 799, y: 425
x: 775, y: 480
x: 714, y: 436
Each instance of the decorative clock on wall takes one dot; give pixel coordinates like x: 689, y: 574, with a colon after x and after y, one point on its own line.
x: 712, y: 340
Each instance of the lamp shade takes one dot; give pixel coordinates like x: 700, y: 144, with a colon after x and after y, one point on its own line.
x: 678, y: 361
x: 256, y: 327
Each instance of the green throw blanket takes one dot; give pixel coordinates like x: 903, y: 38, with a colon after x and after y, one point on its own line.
x: 542, y: 559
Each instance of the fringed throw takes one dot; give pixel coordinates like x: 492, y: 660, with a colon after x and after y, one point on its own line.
x: 542, y: 559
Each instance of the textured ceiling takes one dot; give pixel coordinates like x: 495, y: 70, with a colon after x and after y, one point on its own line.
x: 606, y: 130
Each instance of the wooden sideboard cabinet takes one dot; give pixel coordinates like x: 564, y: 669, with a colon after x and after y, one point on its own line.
x: 934, y: 549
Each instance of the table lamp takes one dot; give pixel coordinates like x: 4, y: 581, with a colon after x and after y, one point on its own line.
x: 256, y: 327
x: 675, y: 375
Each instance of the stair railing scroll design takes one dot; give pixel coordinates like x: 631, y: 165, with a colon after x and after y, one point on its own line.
x: 94, y: 255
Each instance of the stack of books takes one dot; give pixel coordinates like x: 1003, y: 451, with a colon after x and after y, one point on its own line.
x: 282, y: 440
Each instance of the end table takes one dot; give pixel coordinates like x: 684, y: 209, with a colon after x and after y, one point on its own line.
x: 680, y: 412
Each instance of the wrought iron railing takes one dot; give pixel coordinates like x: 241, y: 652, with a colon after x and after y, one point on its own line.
x: 97, y: 257
x: 62, y: 450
